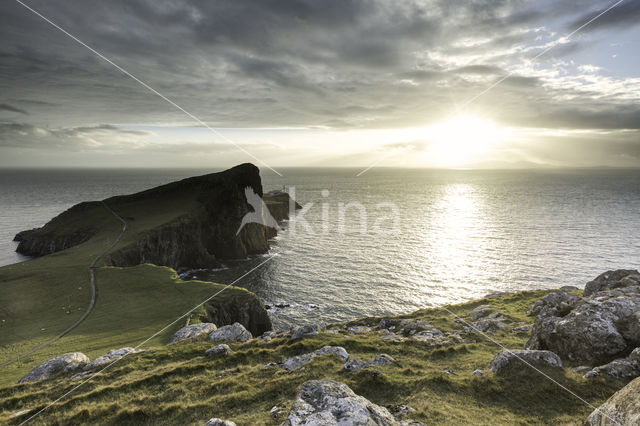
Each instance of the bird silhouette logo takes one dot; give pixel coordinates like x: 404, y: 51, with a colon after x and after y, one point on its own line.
x: 260, y: 213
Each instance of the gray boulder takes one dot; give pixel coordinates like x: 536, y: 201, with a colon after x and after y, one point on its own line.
x: 599, y: 328
x: 232, y: 333
x: 596, y: 328
x: 56, y: 366
x: 506, y: 362
x: 382, y: 359
x: 622, y: 409
x: 610, y: 280
x: 486, y: 325
x: 191, y: 331
x: 354, y: 364
x: 303, y: 331
x: 480, y: 312
x: 109, y: 357
x: 338, y: 351
x: 556, y: 304
x: 219, y: 422
x: 624, y: 368
x: 217, y: 350
x: 331, y: 403
x: 298, y: 361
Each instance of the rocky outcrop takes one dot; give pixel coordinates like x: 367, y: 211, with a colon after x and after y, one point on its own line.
x: 109, y: 357
x: 507, y: 362
x: 610, y: 280
x: 239, y: 306
x: 218, y: 350
x: 356, y: 364
x: 623, y: 368
x: 300, y: 360
x: 622, y: 409
x: 332, y: 403
x: 597, y: 328
x: 61, y: 233
x: 197, y: 222
x: 303, y: 331
x: 56, y: 366
x: 192, y: 330
x: 232, y: 333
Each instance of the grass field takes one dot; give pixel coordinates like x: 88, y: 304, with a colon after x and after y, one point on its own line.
x: 177, y: 384
x: 41, y: 297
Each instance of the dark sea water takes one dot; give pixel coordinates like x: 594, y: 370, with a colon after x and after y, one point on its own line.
x: 409, y: 239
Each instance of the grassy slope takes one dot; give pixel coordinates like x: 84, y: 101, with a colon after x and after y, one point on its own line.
x: 131, y: 303
x: 177, y: 384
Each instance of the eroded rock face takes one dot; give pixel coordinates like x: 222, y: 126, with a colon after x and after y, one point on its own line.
x: 331, y: 403
x: 192, y: 330
x: 233, y: 333
x: 56, y: 366
x: 596, y: 328
x: 506, y: 362
x: 243, y: 307
x: 109, y: 357
x: 622, y: 409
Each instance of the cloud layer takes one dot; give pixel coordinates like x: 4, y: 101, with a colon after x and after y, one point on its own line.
x: 336, y: 64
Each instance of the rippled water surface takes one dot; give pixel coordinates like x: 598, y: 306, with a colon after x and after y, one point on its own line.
x: 408, y: 240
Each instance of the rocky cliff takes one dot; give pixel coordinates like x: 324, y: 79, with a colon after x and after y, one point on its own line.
x: 208, y: 212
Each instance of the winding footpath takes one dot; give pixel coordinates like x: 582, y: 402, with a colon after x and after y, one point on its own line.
x: 92, y: 283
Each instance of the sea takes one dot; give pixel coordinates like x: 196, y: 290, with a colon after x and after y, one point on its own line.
x: 388, y: 241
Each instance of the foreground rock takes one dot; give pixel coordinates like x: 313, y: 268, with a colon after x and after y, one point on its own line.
x: 332, y: 403
x: 623, y: 368
x: 622, y: 409
x: 596, y: 328
x: 56, y: 366
x: 108, y: 358
x: 218, y: 350
x: 300, y: 360
x: 304, y: 331
x: 192, y: 330
x: 610, y: 280
x: 233, y: 333
x: 507, y: 362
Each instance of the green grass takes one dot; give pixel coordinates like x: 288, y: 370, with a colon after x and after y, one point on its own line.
x: 176, y: 383
x: 42, y: 297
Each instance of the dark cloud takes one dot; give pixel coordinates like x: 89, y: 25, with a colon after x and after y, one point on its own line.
x: 626, y: 14
x: 346, y: 64
x: 7, y: 107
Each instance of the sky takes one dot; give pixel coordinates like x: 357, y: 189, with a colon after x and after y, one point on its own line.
x: 398, y: 83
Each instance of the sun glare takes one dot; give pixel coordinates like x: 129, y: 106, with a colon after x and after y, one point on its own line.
x: 461, y: 140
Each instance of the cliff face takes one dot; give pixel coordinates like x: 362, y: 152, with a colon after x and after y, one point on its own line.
x: 59, y: 234
x: 209, y: 210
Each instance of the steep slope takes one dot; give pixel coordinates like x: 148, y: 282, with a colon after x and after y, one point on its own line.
x: 189, y: 223
x: 43, y: 296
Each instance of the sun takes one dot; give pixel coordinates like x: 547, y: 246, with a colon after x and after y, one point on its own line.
x: 461, y: 140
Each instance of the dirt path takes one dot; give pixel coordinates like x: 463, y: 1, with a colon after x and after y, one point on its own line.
x: 92, y: 282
